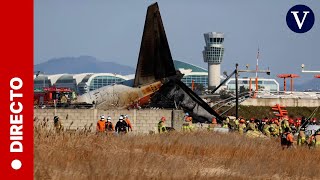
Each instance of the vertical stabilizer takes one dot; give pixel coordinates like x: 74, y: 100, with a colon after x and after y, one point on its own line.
x: 155, y: 61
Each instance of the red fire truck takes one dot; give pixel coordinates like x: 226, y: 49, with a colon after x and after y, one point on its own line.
x: 52, y: 96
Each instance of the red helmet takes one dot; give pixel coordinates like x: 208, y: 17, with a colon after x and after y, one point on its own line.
x: 163, y: 118
x: 252, y: 119
x: 214, y: 121
x: 242, y: 121
x: 291, y: 121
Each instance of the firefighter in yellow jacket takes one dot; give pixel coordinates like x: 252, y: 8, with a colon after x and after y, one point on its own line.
x: 187, y: 125
x: 161, y: 125
x: 57, y: 124
x: 242, y: 126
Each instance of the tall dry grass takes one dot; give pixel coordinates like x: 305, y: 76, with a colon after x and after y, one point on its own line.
x: 198, y: 155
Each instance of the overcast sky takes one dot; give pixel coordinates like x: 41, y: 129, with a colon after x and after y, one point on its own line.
x: 112, y: 31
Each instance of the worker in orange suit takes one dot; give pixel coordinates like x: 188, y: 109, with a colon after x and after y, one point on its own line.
x: 213, y: 124
x: 286, y: 138
x: 101, y: 124
x: 109, y: 126
x: 126, y: 118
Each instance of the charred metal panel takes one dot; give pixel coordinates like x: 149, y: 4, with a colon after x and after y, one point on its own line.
x: 176, y: 93
x: 155, y: 60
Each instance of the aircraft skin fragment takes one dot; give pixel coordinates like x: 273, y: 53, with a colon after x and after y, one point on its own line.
x: 119, y: 96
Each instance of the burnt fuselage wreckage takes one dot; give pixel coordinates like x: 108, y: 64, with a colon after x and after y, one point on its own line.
x: 157, y: 83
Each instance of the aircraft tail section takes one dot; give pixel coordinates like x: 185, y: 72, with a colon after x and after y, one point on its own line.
x: 155, y: 60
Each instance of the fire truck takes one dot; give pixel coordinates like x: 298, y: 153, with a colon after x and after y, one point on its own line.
x: 52, y: 96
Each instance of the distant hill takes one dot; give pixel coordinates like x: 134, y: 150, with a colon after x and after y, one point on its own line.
x: 82, y: 64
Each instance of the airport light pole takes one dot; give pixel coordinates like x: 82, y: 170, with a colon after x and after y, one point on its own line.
x: 307, y: 71
x: 237, y: 71
x: 237, y: 93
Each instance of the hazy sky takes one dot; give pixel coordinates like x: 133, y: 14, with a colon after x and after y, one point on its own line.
x: 112, y: 31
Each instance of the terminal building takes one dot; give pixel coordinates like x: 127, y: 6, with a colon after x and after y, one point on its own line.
x: 85, y: 82
x: 268, y: 85
x: 192, y: 72
x: 80, y: 83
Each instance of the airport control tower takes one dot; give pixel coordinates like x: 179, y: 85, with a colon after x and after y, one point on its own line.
x: 213, y: 54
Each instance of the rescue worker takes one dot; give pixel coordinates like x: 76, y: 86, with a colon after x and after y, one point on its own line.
x: 101, y: 124
x: 212, y: 125
x: 266, y: 128
x: 121, y: 126
x: 301, y: 137
x: 275, y: 128
x: 57, y: 124
x: 242, y: 126
x: 285, y: 123
x: 64, y: 100
x: 298, y: 122
x: 187, y: 125
x: 252, y: 125
x: 109, y: 126
x: 126, y: 117
x: 161, y: 125
x: 225, y: 123
x: 236, y: 123
x: 292, y: 125
x: 286, y: 138
x: 314, y: 140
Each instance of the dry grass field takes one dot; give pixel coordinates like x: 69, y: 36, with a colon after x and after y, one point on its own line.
x: 198, y: 155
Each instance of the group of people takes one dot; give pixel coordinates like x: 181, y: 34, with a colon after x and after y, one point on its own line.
x: 283, y: 127
x: 186, y: 126
x: 123, y: 126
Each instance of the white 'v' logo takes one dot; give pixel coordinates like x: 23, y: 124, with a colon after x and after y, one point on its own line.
x: 295, y: 14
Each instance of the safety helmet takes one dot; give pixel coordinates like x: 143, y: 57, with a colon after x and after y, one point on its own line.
x: 163, y: 118
x: 126, y: 116
x: 273, y: 120
x: 108, y: 118
x: 252, y: 119
x: 291, y: 121
x: 102, y: 117
x: 214, y: 121
x: 242, y: 121
x: 121, y: 118
x: 187, y: 114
